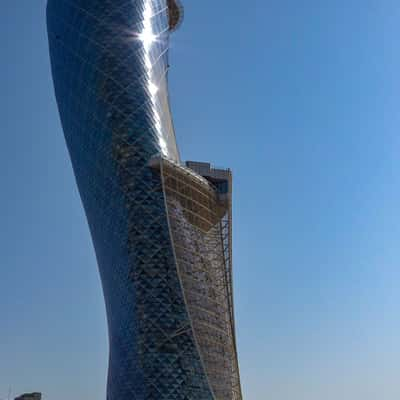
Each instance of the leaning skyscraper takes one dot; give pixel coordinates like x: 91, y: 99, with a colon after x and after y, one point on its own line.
x: 161, y: 229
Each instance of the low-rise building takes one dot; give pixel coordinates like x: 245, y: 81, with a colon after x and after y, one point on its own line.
x: 30, y: 396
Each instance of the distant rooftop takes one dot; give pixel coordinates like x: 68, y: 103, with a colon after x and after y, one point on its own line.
x: 30, y: 396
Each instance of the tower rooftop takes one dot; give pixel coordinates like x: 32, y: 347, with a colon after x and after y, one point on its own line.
x: 175, y: 12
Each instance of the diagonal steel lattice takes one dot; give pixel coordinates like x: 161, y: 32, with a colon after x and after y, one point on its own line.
x: 161, y: 231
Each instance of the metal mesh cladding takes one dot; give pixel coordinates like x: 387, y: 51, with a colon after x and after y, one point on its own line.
x: 197, y: 220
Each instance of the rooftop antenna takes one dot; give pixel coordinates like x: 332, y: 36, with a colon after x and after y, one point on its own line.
x: 9, y: 394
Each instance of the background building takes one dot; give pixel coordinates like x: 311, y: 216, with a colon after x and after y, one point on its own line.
x: 161, y: 230
x: 30, y: 396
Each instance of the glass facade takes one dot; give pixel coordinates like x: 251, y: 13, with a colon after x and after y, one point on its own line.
x: 161, y: 230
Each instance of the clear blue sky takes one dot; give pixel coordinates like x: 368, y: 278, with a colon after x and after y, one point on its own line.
x: 301, y: 100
